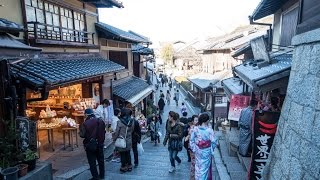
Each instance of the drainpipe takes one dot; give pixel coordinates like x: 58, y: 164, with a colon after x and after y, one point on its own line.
x: 269, y: 48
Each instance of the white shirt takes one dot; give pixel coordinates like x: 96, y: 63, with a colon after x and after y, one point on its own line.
x: 102, y: 113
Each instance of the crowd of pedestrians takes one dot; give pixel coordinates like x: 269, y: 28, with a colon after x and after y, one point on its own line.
x: 194, y: 134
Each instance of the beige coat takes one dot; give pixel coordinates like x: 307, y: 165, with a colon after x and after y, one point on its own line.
x: 121, y: 131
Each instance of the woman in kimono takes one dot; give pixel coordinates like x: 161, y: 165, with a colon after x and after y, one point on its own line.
x: 193, y: 124
x: 202, y: 144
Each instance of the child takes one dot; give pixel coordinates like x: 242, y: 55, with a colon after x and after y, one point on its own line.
x: 155, y: 128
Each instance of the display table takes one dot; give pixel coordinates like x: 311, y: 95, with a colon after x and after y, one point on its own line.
x: 78, y: 117
x: 50, y: 136
x: 70, y: 131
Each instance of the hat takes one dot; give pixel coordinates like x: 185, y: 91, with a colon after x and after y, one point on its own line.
x: 88, y: 112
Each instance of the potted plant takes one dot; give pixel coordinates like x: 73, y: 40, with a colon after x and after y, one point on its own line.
x: 23, y: 169
x: 30, y: 158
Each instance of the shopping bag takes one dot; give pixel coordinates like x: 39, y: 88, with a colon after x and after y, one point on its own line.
x: 140, y: 148
x: 160, y: 134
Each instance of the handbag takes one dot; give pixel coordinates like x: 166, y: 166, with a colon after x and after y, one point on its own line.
x: 120, y: 141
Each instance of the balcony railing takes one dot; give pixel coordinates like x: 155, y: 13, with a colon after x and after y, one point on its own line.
x: 50, y: 34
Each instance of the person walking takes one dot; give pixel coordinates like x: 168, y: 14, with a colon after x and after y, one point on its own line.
x: 202, y: 144
x: 136, y: 138
x: 193, y: 123
x: 93, y: 131
x: 176, y: 97
x: 183, y: 108
x: 115, y: 119
x: 173, y: 137
x: 168, y: 97
x: 161, y: 105
x: 155, y: 127
x: 245, y: 124
x: 170, y: 84
x: 124, y: 130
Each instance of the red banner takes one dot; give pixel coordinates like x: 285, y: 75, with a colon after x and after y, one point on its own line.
x: 237, y: 103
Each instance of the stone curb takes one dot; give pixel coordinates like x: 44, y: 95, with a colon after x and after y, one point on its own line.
x: 221, y: 168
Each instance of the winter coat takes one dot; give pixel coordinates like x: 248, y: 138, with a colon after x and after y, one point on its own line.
x: 136, y: 134
x: 161, y: 104
x: 121, y: 131
x: 175, y: 132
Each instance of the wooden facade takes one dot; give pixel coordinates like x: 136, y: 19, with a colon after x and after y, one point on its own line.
x: 309, y: 18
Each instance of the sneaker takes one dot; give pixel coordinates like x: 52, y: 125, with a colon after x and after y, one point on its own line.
x: 172, y: 169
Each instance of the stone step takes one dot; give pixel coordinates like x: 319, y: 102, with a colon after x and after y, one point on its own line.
x: 228, y: 159
x: 234, y: 167
x: 238, y: 175
x: 223, y: 148
x: 245, y: 161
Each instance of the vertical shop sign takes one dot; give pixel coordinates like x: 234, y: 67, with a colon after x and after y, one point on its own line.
x: 23, y: 129
x: 264, y: 130
x: 237, y: 103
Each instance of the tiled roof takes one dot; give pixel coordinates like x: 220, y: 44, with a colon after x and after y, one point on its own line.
x: 137, y: 48
x: 4, y: 23
x: 105, y: 3
x: 60, y: 71
x: 109, y: 31
x: 267, y: 7
x: 130, y: 87
x: 7, y: 41
x: 147, y: 40
x: 232, y: 86
x: 250, y: 73
x: 203, y: 80
x: 239, y: 41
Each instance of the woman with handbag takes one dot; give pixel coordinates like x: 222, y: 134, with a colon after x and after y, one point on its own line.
x: 202, y: 144
x: 123, y: 138
x: 174, y: 136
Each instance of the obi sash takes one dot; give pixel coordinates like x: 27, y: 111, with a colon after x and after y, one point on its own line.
x: 204, y: 144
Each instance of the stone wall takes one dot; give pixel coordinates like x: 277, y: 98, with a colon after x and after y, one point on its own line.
x: 296, y: 149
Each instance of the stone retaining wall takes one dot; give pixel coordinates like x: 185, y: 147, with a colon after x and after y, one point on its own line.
x: 296, y: 149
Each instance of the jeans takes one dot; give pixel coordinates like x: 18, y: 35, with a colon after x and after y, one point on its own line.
x: 173, y: 154
x: 125, y: 158
x: 135, y: 152
x: 94, y: 156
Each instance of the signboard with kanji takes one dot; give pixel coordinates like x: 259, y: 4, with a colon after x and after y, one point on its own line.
x: 264, y: 130
x: 237, y: 103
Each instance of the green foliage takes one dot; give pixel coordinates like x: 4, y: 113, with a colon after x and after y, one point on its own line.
x: 167, y: 53
x: 151, y: 109
x: 29, y: 155
x: 9, y: 153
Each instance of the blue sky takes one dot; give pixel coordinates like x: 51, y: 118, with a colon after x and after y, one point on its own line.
x: 169, y: 20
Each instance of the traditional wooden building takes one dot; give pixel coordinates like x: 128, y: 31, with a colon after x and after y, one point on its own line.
x: 128, y: 90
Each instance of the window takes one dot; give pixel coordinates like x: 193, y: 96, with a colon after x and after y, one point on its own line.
x: 120, y: 57
x: 288, y: 26
x: 55, y: 22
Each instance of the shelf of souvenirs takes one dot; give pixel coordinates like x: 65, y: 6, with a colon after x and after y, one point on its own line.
x: 66, y: 97
x: 44, y: 106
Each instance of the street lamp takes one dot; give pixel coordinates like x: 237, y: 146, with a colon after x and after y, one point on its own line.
x: 213, y: 102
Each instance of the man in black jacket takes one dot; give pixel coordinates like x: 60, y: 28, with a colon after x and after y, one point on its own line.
x: 93, y: 131
x: 136, y: 138
x: 161, y: 105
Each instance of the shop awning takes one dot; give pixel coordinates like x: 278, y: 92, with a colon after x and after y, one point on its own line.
x: 109, y: 32
x: 56, y: 72
x: 203, y: 80
x: 265, y: 76
x: 232, y: 86
x: 132, y: 89
x: 267, y: 7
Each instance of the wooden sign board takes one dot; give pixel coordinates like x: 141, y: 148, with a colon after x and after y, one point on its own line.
x: 259, y: 49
